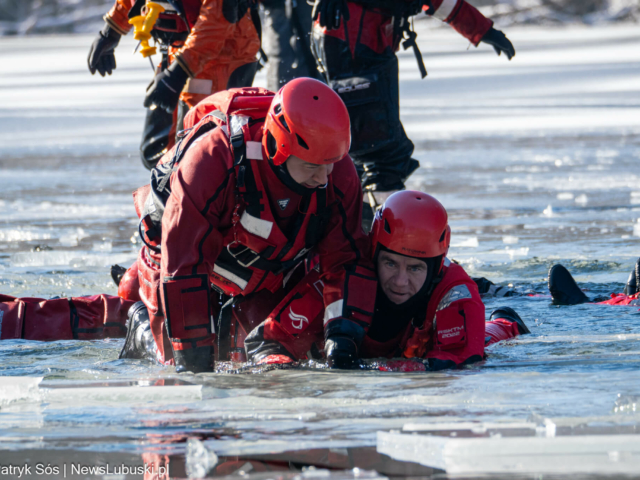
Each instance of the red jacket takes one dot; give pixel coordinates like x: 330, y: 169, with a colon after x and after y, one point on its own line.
x: 453, y: 329
x: 374, y: 27
x: 206, y: 222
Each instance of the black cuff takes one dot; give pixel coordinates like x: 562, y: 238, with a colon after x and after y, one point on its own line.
x: 196, y: 360
x: 345, y: 328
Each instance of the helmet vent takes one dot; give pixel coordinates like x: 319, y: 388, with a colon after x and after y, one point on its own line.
x: 277, y: 109
x: 272, y: 147
x: 444, y: 232
x: 302, y: 143
x: 315, y: 97
x: 387, y: 228
x: 283, y: 121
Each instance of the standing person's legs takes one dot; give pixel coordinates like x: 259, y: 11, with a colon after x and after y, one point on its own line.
x: 277, y: 34
x: 368, y: 84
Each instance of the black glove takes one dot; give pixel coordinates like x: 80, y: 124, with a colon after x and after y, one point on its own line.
x: 341, y: 352
x: 165, y: 89
x: 101, y: 57
x: 196, y: 360
x: 330, y: 12
x: 499, y: 42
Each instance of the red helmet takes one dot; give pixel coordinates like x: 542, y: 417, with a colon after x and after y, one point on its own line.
x: 413, y: 224
x: 309, y: 120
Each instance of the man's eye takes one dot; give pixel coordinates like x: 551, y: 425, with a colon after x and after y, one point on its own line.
x: 390, y: 264
x: 416, y: 269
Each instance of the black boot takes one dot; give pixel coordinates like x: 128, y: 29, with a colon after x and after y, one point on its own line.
x: 564, y: 289
x: 631, y: 287
x: 117, y: 272
x: 139, y: 343
x: 509, y: 313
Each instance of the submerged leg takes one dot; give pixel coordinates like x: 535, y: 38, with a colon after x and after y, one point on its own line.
x: 563, y: 288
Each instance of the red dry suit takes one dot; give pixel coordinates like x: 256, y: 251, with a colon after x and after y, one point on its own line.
x: 231, y: 227
x: 84, y: 318
x: 622, y: 299
x: 453, y: 331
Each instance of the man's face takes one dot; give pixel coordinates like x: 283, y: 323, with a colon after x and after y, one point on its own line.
x: 400, y: 277
x: 308, y: 174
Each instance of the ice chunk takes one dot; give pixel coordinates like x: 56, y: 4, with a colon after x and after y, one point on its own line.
x: 200, y: 460
x: 19, y: 389
x: 510, y: 239
x: 572, y: 454
x: 155, y: 394
x: 469, y: 242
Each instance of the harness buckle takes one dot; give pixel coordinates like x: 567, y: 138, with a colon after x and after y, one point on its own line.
x: 235, y: 255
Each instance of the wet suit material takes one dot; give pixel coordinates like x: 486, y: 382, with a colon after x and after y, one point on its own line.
x: 80, y: 318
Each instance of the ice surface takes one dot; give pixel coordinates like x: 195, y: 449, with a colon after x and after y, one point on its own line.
x: 499, y: 142
x: 569, y: 455
x: 19, y: 389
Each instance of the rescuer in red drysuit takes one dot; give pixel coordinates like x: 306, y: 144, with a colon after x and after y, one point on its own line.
x: 237, y: 184
x: 427, y: 308
x: 565, y: 291
x: 206, y: 45
x: 355, y: 44
x: 229, y: 217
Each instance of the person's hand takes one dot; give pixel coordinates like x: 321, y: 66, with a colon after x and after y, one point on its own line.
x: 165, y: 89
x: 329, y: 12
x: 341, y: 352
x: 499, y: 42
x: 101, y: 57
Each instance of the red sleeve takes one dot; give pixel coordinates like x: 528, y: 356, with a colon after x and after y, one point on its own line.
x: 118, y: 16
x: 463, y: 17
x: 347, y: 273
x: 196, y: 210
x: 459, y: 326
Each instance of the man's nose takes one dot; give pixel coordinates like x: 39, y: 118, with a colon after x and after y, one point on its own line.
x: 321, y: 175
x: 401, y: 278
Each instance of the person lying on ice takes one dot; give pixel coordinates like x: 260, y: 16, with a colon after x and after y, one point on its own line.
x: 565, y: 291
x: 426, y: 307
x: 230, y: 211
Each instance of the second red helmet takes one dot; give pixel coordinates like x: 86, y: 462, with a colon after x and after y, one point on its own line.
x: 309, y: 120
x: 412, y: 223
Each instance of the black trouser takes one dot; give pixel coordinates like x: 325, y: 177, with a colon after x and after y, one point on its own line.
x: 286, y: 41
x: 368, y: 84
x: 158, y: 122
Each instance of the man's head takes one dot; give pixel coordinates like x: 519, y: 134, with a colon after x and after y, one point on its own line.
x: 410, y: 238
x: 308, y: 128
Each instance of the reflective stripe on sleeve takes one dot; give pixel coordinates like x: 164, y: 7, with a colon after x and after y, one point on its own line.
x: 257, y: 226
x: 254, y: 150
x: 232, y: 277
x: 333, y: 311
x: 445, y: 9
x: 459, y: 292
x: 200, y: 86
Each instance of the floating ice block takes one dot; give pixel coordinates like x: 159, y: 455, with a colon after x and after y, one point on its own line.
x: 14, y: 389
x: 155, y: 394
x: 572, y: 454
